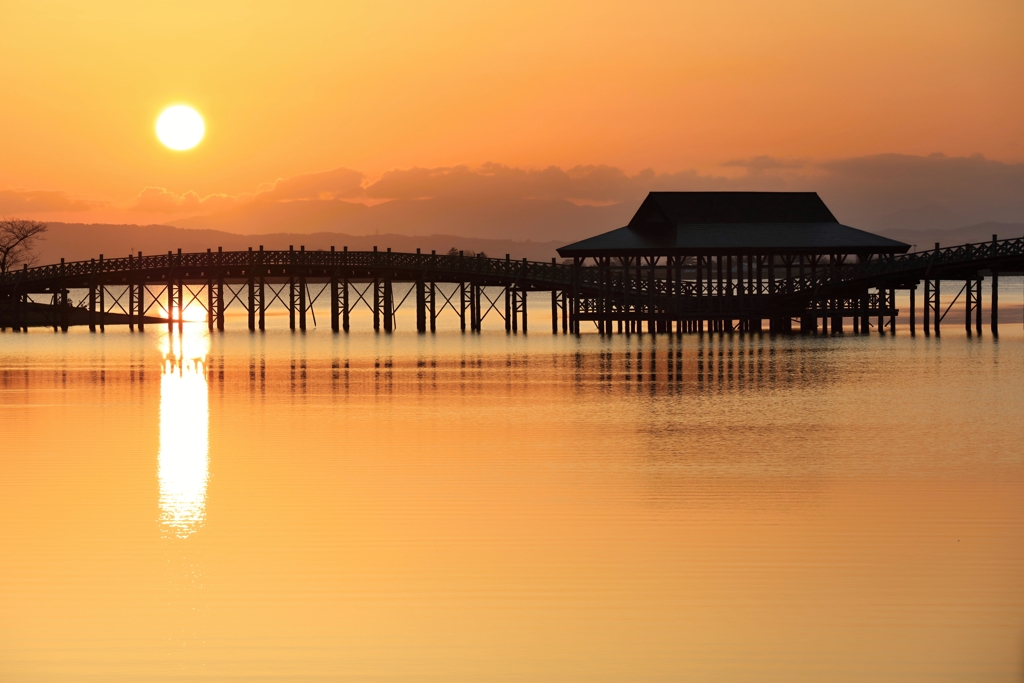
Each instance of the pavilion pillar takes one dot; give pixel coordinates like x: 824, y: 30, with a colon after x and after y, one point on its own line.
x: 892, y: 310
x: 865, y: 304
x: 554, y: 311
x: 565, y: 312
x: 913, y: 310
x: 977, y: 313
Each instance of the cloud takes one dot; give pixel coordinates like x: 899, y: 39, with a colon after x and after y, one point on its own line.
x: 335, y: 184
x: 764, y: 164
x: 579, y: 184
x: 973, y: 186
x: 162, y: 200
x: 16, y: 201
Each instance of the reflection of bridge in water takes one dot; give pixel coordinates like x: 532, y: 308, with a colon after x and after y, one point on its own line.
x: 663, y: 294
x: 687, y: 261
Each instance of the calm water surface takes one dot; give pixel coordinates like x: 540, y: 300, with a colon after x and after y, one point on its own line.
x: 313, y: 507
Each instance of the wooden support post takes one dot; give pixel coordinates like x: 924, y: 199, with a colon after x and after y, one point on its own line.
x: 262, y: 295
x: 180, y: 296
x: 515, y: 309
x: 462, y: 305
x: 892, y: 310
x: 141, y: 301
x: 220, y: 303
x: 927, y: 306
x: 882, y: 298
x: 522, y: 301
x: 937, y: 313
x: 377, y: 296
x: 64, y: 306
x: 92, y: 308
x: 969, y: 303
x: 509, y: 308
x: 652, y: 264
x: 994, y: 305
x: 433, y: 306
x: 565, y: 312
x: 344, y: 303
x: 421, y: 306
x: 389, y: 306
x: 913, y: 310
x: 977, y: 312
x: 252, y: 298
x: 335, y: 309
x: 103, y: 305
x: 865, y: 304
x: 302, y: 303
x: 170, y: 291
x: 131, y: 306
x: 211, y: 303
x: 554, y: 313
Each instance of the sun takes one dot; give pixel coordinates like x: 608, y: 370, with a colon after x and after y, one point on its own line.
x: 180, y: 127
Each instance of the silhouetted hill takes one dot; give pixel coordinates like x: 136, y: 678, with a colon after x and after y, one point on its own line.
x: 486, y: 218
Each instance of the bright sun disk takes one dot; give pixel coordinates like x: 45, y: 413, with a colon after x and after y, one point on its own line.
x: 180, y: 127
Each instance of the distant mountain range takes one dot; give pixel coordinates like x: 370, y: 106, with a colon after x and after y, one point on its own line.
x: 80, y: 242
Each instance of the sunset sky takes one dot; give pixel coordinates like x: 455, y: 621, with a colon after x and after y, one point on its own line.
x: 289, y: 89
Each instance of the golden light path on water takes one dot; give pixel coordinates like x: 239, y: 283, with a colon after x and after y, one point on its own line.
x: 183, y: 461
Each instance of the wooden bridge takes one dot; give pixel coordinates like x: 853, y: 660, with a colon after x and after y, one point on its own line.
x: 670, y: 294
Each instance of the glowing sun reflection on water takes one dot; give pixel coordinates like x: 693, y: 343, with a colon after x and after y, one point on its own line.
x: 183, y: 462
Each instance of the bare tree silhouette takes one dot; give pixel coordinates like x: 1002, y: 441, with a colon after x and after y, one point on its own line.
x: 17, y: 240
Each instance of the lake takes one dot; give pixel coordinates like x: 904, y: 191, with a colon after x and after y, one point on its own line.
x: 486, y: 507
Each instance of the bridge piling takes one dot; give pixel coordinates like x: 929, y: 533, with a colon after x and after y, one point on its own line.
x: 389, y: 307
x: 994, y: 304
x: 140, y: 301
x: 291, y: 303
x: 913, y: 311
x: 220, y: 304
x: 508, y: 306
x: 433, y: 305
x: 421, y: 306
x: 92, y: 308
x: 302, y: 303
x: 335, y: 309
x: 251, y: 285
x: 261, y: 294
x: 211, y: 315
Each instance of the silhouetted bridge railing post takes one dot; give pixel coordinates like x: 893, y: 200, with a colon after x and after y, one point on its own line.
x: 665, y: 294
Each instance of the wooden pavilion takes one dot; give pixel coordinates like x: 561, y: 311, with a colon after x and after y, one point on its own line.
x: 733, y: 253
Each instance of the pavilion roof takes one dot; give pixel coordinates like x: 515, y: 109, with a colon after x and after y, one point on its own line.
x: 733, y: 222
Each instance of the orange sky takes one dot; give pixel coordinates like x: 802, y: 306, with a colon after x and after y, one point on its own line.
x: 299, y: 87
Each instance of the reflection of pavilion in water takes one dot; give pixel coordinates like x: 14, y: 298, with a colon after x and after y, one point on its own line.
x: 183, y: 462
